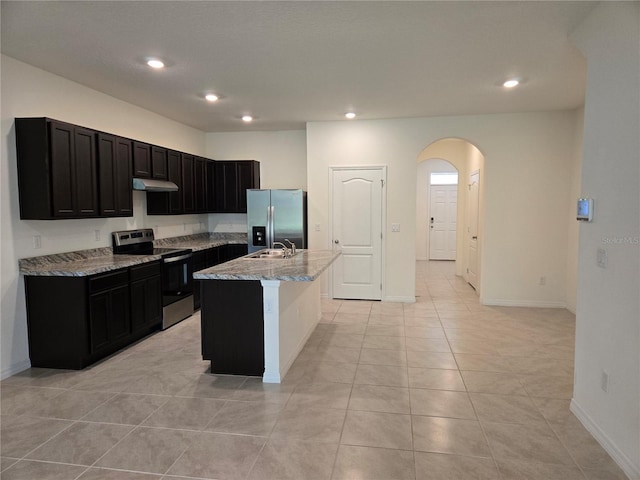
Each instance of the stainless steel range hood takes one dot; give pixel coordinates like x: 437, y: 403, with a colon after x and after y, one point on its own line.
x: 150, y: 185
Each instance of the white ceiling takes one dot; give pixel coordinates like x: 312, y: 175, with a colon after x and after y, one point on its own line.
x: 288, y: 63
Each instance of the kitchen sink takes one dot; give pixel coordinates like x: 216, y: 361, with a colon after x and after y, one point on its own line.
x: 272, y: 253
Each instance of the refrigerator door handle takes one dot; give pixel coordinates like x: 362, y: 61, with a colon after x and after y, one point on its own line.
x: 270, y: 229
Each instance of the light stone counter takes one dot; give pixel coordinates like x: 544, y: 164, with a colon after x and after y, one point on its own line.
x: 305, y: 266
x: 83, y: 263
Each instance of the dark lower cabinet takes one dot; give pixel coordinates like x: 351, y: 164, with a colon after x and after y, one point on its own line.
x: 146, y: 296
x: 109, y: 317
x: 75, y: 321
x: 232, y: 325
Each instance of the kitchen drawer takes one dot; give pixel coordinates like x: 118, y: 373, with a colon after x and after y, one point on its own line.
x: 145, y: 271
x: 109, y: 280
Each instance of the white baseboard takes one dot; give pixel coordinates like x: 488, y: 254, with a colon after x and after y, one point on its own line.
x: 625, y: 463
x: 497, y: 302
x: 13, y: 369
x: 399, y: 299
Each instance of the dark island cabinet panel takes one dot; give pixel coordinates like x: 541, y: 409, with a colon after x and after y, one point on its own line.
x: 114, y: 176
x: 75, y: 321
x: 57, y: 171
x: 232, y: 326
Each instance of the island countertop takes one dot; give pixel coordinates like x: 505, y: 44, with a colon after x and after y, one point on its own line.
x: 305, y: 266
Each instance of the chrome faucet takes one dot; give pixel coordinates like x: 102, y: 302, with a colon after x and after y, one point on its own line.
x: 292, y: 245
x: 287, y: 252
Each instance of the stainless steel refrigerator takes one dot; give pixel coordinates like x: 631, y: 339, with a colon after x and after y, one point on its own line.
x: 275, y: 215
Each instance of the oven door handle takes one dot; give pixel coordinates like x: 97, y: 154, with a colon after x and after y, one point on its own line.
x: 177, y: 259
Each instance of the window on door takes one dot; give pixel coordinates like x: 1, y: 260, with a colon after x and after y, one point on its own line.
x: 444, y: 178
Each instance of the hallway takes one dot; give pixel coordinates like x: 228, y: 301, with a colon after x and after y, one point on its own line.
x: 443, y: 389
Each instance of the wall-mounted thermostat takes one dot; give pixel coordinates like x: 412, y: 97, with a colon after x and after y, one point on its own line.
x: 585, y: 209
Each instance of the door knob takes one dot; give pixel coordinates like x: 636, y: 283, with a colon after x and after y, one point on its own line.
x: 336, y: 241
x: 475, y: 237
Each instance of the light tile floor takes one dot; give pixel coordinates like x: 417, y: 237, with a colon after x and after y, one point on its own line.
x: 441, y: 389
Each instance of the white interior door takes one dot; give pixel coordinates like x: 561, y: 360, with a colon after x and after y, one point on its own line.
x: 443, y: 209
x: 356, y: 227
x: 472, y: 229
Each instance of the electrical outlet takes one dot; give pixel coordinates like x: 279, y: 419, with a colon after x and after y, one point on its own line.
x: 604, y: 381
x: 97, y: 234
x: 395, y: 227
x: 317, y: 227
x: 543, y: 281
x: 601, y: 258
x: 37, y: 241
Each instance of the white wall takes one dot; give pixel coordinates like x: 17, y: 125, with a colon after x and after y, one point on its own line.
x: 528, y: 160
x: 608, y: 307
x: 31, y: 92
x: 423, y: 194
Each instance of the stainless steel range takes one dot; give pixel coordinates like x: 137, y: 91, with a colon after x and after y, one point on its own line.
x: 177, y: 271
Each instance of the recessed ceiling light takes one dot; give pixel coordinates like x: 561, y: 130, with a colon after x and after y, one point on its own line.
x: 247, y: 118
x: 350, y: 115
x: 155, y: 63
x: 514, y: 82
x: 211, y: 97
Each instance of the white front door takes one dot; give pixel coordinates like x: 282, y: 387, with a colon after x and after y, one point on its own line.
x: 472, y: 230
x: 356, y: 228
x: 443, y: 209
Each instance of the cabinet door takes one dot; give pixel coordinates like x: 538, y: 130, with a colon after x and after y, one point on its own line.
x: 109, y: 317
x: 146, y: 302
x: 86, y: 177
x: 114, y: 176
x: 200, y: 184
x: 159, y: 163
x: 107, y: 174
x: 248, y: 177
x: 188, y: 194
x: 211, y: 186
x: 226, y: 187
x: 141, y: 160
x: 123, y: 177
x: 174, y: 167
x: 62, y: 169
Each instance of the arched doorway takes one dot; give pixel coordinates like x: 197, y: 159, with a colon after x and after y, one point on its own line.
x: 468, y: 160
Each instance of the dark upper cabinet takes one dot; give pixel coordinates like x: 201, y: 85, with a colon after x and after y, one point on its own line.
x: 141, y: 160
x: 232, y: 179
x: 211, y: 186
x: 159, y: 163
x: 57, y: 170
x: 174, y: 162
x: 200, y: 184
x: 114, y: 176
x: 188, y: 183
x: 168, y: 203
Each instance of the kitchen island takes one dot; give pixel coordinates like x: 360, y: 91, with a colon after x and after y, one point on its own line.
x: 257, y: 313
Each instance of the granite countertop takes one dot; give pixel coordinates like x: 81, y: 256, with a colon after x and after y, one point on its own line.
x: 83, y: 263
x: 306, y: 266
x: 81, y: 267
